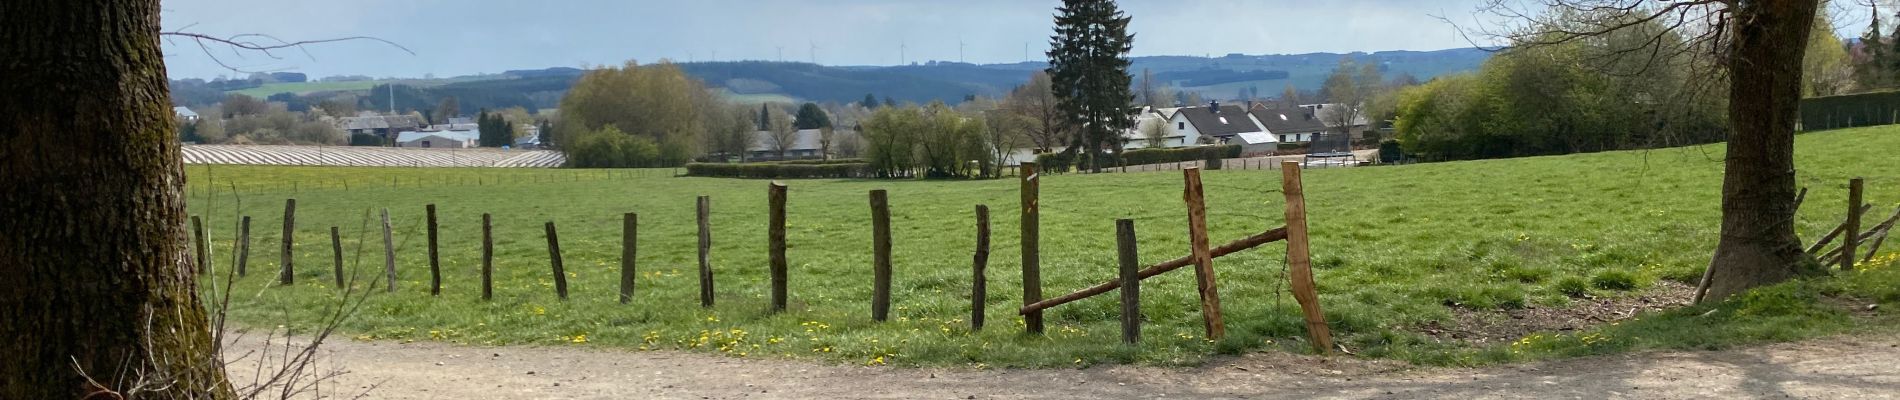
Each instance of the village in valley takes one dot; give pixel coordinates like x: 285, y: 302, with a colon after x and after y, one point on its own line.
x: 1469, y: 199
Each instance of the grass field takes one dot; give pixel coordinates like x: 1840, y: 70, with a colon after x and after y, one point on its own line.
x: 1394, y: 248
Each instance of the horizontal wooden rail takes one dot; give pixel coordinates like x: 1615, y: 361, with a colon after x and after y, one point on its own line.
x: 1270, y: 236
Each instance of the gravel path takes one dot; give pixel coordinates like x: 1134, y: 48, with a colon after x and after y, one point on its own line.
x: 1832, y: 368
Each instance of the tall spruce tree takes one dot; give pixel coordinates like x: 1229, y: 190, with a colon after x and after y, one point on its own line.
x: 1088, y: 67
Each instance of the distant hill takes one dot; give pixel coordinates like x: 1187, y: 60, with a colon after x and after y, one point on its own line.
x: 1224, y: 77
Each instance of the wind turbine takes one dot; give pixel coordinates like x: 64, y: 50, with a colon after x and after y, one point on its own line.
x: 814, y: 52
x: 960, y: 49
x: 901, y: 57
x: 781, y: 53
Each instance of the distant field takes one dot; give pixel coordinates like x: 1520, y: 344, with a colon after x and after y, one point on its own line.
x: 1402, y: 254
x: 304, y: 87
x: 757, y: 98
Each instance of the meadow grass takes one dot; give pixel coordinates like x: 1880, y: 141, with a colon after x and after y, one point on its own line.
x: 1393, y: 247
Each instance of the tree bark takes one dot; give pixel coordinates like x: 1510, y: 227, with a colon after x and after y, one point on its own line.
x: 93, y: 249
x: 1758, y: 245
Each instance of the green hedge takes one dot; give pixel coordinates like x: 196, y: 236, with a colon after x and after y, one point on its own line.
x: 1211, y: 154
x: 779, y: 170
x: 1846, y: 111
x: 819, y: 162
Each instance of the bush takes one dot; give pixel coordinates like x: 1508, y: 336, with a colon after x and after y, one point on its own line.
x: 1390, y: 152
x: 1573, y: 286
x: 779, y: 170
x: 820, y: 162
x: 1614, y: 280
x: 1179, y: 154
x: 364, y: 139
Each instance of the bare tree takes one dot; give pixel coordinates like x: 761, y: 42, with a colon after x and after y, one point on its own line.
x: 1759, y: 46
x: 1350, y: 88
x: 1036, y: 102
x: 782, y: 133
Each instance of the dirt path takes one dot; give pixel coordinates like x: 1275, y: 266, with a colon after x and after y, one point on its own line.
x: 1834, y: 368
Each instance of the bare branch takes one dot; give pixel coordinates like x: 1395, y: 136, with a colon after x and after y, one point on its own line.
x: 260, y: 43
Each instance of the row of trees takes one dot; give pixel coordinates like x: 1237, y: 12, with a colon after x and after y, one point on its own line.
x: 1568, y: 97
x: 933, y: 141
x: 241, y: 119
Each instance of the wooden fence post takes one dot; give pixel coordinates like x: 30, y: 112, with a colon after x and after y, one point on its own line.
x: 284, y: 275
x: 1131, y: 280
x: 979, y: 281
x: 435, y: 263
x: 1852, y: 237
x: 389, y: 254
x: 488, y: 258
x: 554, y: 257
x: 705, y: 249
x: 1203, y: 260
x: 1299, y: 261
x: 1032, y: 258
x: 775, y: 196
x: 203, y: 262
x: 336, y: 251
x: 880, y: 256
x: 629, y: 252
x: 243, y: 244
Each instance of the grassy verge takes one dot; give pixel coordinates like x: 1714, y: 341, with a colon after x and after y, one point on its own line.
x: 1394, y: 247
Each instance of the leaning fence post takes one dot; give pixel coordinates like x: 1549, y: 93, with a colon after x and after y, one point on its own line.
x: 1852, y: 235
x: 880, y: 255
x: 705, y: 249
x: 979, y: 281
x: 629, y: 250
x: 203, y: 262
x: 1032, y: 270
x: 1131, y: 280
x: 244, y: 244
x: 775, y: 195
x: 284, y: 275
x: 1203, y: 259
x: 1298, y: 261
x: 336, y: 251
x: 389, y: 254
x: 554, y: 257
x: 435, y: 264
x: 488, y: 258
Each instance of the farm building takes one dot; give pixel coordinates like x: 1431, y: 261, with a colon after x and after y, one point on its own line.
x: 461, y: 139
x: 382, y: 126
x: 185, y: 114
x: 805, y: 143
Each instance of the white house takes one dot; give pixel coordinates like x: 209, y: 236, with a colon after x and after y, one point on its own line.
x: 1155, y: 118
x: 1215, y: 122
x: 1289, y: 125
x: 185, y: 114
x: 439, y: 139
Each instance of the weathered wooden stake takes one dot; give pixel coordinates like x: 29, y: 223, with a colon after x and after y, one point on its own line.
x: 336, y: 251
x: 243, y: 244
x: 705, y: 249
x: 979, y: 281
x: 880, y: 256
x: 1032, y: 257
x: 1131, y: 280
x: 629, y: 252
x: 389, y: 254
x: 554, y: 257
x: 488, y: 258
x: 203, y: 262
x: 1203, y: 259
x: 284, y: 275
x: 1852, y: 237
x: 435, y: 263
x: 1298, y: 261
x: 775, y: 195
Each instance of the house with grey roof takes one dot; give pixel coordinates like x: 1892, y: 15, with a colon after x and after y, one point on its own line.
x: 1334, y: 116
x: 805, y: 143
x: 439, y: 139
x: 1215, y: 122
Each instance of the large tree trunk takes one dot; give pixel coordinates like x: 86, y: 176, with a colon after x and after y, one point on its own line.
x: 92, y: 240
x: 1758, y: 245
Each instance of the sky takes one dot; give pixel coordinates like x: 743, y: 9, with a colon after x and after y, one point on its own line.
x: 465, y: 37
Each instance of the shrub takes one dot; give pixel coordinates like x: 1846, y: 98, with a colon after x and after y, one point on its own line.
x: 1573, y: 286
x: 1614, y: 280
x: 820, y: 162
x: 1179, y: 154
x: 779, y: 170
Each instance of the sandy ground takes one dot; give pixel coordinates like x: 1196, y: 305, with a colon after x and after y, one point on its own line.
x: 1833, y: 368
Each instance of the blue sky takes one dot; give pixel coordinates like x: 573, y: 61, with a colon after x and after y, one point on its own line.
x: 460, y: 37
